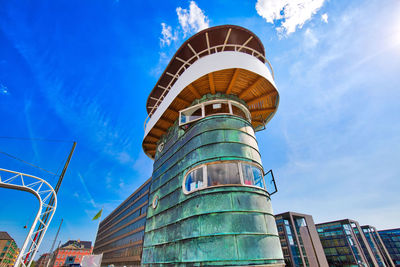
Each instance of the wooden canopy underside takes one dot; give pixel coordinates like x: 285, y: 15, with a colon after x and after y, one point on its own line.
x: 259, y: 94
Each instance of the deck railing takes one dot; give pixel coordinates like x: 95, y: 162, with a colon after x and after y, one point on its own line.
x: 197, y: 55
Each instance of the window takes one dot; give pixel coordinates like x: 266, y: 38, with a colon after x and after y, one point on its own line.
x: 194, y: 180
x: 224, y: 173
x: 213, y: 107
x: 252, y: 175
x: 238, y: 111
x: 216, y: 108
x: 191, y: 114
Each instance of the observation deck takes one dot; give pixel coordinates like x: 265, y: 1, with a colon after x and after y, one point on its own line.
x: 225, y: 59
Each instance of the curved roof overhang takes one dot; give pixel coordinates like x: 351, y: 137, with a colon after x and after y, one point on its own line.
x: 228, y: 72
x: 227, y: 59
x: 209, y: 41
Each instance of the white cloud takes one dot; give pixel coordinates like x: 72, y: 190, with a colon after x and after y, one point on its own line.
x: 4, y: 90
x: 192, y: 20
x: 167, y: 35
x: 310, y: 40
x: 324, y: 17
x: 291, y: 13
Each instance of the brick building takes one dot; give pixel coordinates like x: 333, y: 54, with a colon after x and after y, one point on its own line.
x: 8, y: 250
x: 71, y: 252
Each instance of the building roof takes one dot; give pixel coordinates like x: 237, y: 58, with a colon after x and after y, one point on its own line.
x: 5, y: 236
x: 227, y: 60
x: 228, y: 35
x: 77, y: 244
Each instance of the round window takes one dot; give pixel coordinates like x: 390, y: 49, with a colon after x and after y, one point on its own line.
x: 161, y: 147
x: 155, y: 202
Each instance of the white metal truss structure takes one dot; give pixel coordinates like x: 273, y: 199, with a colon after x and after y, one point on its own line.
x: 43, y: 191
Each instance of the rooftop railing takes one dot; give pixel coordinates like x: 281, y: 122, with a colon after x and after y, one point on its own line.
x: 197, y: 55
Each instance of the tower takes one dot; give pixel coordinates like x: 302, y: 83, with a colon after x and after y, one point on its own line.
x: 209, y: 201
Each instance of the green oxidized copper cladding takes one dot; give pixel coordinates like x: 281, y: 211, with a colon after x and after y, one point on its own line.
x: 227, y: 225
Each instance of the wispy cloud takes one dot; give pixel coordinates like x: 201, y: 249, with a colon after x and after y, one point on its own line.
x: 88, y: 196
x: 324, y: 17
x: 341, y: 154
x: 291, y: 14
x: 191, y: 20
x: 4, y: 89
x: 167, y: 35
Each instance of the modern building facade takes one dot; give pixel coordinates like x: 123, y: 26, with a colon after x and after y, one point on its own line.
x: 120, y: 234
x: 345, y: 244
x: 391, y: 239
x: 8, y: 250
x: 70, y: 253
x: 210, y: 201
x: 378, y: 248
x: 300, y: 242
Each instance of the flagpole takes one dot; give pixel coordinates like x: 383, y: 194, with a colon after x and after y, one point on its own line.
x: 98, y: 227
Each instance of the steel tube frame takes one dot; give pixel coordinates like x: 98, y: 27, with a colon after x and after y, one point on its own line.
x: 43, y: 191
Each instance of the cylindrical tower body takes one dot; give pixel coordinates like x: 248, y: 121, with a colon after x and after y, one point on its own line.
x: 209, y: 202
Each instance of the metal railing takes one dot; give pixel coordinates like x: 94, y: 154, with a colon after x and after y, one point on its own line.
x: 197, y: 55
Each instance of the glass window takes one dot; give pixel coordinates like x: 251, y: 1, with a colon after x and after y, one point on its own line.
x: 223, y: 173
x: 211, y: 108
x: 216, y: 108
x: 252, y: 175
x: 191, y: 114
x: 194, y: 180
x: 238, y: 111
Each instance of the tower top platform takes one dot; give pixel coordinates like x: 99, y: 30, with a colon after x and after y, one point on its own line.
x: 225, y: 59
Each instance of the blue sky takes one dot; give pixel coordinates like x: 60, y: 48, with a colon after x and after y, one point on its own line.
x: 82, y: 70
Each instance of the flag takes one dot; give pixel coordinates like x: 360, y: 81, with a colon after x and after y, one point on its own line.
x: 98, y: 215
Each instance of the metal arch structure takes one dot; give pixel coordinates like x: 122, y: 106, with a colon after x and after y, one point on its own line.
x: 43, y: 191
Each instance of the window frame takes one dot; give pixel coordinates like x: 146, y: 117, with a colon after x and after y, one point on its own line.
x: 215, y: 101
x: 205, y: 180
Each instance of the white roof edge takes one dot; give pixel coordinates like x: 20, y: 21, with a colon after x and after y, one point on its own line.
x: 205, y: 65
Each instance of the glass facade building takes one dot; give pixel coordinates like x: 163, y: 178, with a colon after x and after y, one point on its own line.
x: 391, y: 239
x: 300, y: 243
x: 345, y: 244
x: 120, y: 234
x: 378, y: 248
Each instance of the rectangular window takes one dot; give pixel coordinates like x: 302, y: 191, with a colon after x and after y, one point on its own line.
x: 191, y: 114
x: 211, y: 108
x: 252, y: 175
x: 236, y: 110
x: 223, y: 173
x: 216, y: 108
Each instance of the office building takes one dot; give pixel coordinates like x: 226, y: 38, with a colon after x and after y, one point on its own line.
x: 8, y: 250
x: 70, y: 253
x: 300, y: 242
x: 378, y: 248
x: 345, y: 244
x: 120, y: 234
x: 391, y: 239
x: 210, y: 202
